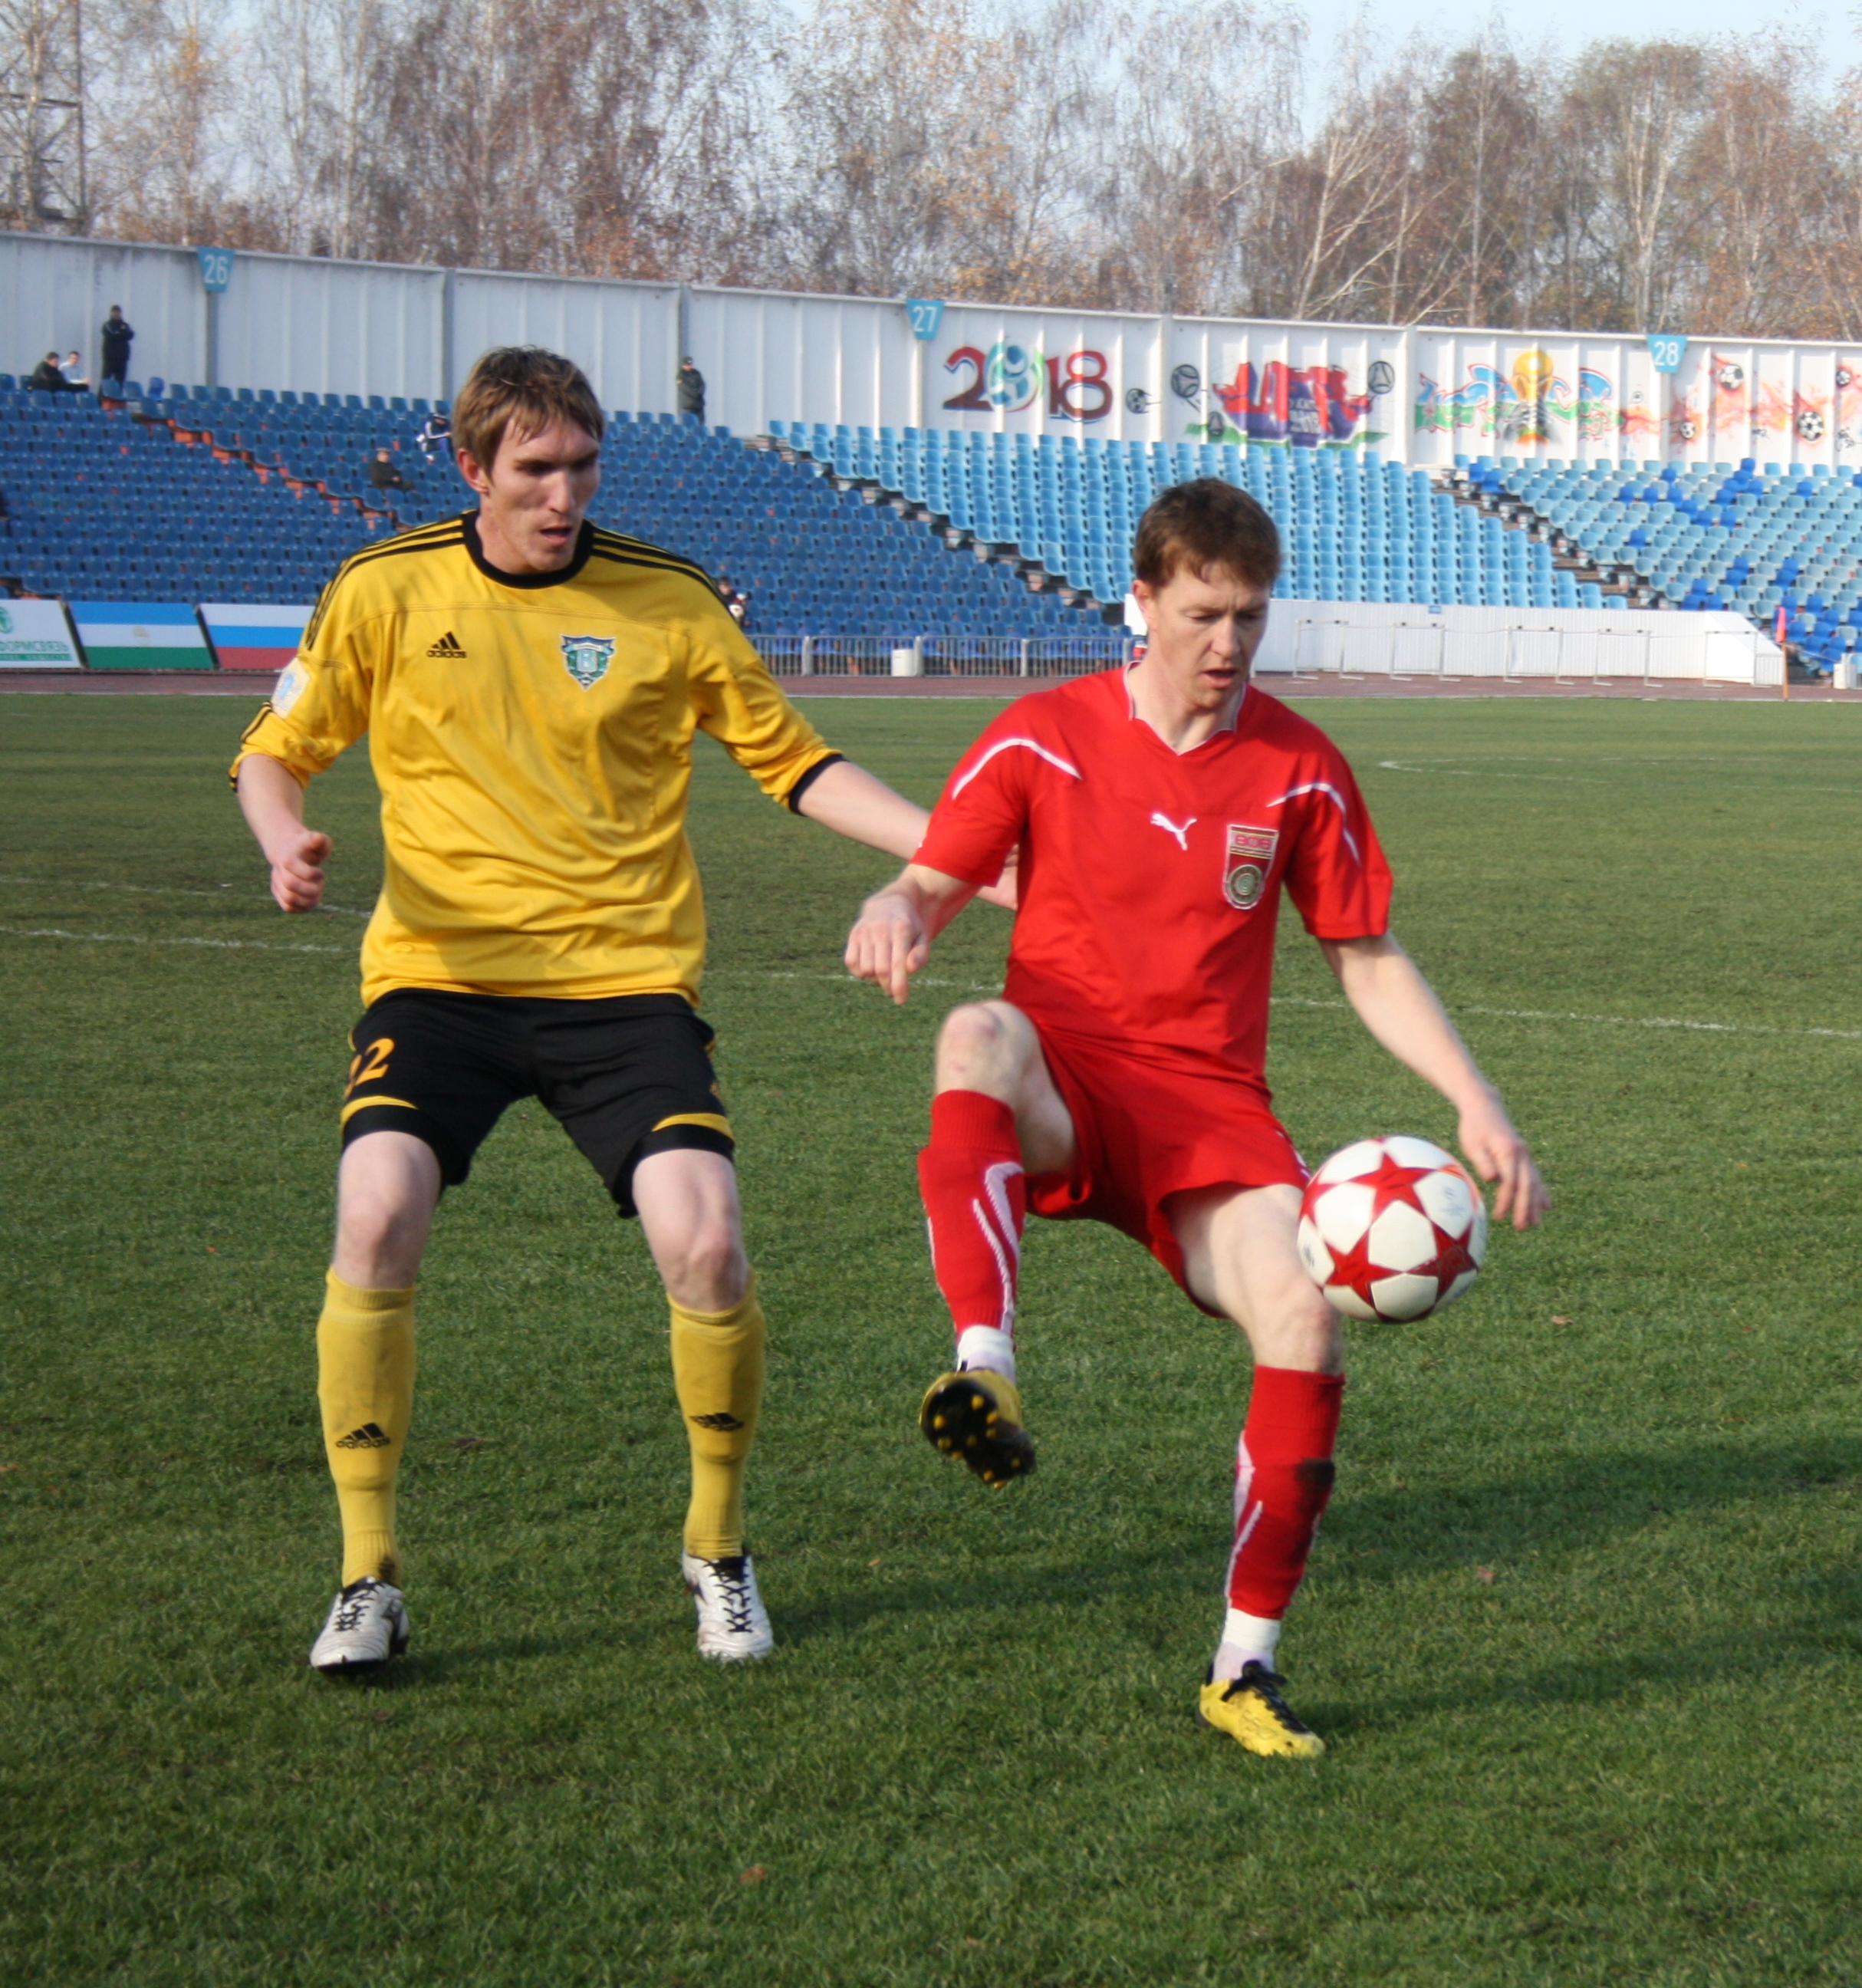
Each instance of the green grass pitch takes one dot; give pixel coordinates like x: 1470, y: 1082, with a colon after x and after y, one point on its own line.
x: 1584, y: 1628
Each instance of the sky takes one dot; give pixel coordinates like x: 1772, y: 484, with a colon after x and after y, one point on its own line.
x: 1570, y: 26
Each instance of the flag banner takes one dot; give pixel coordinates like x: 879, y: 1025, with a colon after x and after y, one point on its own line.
x: 141, y: 635
x: 243, y: 637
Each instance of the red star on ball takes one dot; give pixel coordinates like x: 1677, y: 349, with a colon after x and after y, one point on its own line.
x: 1392, y: 1183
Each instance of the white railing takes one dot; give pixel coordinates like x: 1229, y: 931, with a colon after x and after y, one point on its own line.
x: 940, y: 655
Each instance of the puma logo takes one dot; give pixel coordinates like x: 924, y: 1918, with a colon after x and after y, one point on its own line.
x: 1182, y: 834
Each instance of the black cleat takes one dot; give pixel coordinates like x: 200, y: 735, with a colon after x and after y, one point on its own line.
x: 976, y: 1417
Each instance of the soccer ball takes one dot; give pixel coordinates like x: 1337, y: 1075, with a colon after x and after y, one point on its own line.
x: 1392, y: 1229
x: 1729, y: 378
x: 1810, y: 425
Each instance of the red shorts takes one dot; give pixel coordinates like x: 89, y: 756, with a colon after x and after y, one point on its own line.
x: 1145, y: 1132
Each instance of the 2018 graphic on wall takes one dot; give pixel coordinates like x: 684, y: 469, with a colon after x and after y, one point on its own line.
x: 1009, y: 378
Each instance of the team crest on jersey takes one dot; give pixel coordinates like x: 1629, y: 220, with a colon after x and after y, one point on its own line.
x: 586, y: 657
x: 1245, y: 863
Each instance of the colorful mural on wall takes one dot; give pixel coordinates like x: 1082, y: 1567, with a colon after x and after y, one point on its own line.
x: 1530, y: 405
x: 1308, y: 407
x: 1747, y: 415
x: 1848, y: 402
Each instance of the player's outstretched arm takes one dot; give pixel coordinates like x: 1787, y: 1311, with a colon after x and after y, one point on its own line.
x: 850, y: 800
x: 1399, y: 1007
x: 272, y: 802
x: 891, y: 939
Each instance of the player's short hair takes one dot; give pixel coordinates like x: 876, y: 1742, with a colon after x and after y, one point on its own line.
x: 527, y: 385
x: 1203, y: 524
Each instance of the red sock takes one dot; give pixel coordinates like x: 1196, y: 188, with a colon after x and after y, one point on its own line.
x: 1283, y: 1479
x: 976, y: 1201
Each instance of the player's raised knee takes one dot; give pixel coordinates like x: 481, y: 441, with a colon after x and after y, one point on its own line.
x: 984, y: 1046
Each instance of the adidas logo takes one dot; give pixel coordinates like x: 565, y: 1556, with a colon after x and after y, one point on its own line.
x: 447, y: 645
x: 718, y: 1421
x: 368, y: 1437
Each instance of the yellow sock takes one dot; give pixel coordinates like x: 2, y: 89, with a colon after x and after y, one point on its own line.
x: 365, y: 1382
x: 717, y: 1369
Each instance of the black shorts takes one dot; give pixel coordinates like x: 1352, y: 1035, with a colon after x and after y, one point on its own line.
x: 624, y: 1077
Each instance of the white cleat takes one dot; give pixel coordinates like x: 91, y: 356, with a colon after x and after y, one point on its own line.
x: 732, y: 1624
x: 368, y: 1624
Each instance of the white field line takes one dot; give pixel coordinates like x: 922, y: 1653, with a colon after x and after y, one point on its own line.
x: 159, y: 891
x: 1583, y: 780
x: 133, y: 938
x: 1455, y: 1007
x: 1674, y: 1022
x: 1603, y: 1021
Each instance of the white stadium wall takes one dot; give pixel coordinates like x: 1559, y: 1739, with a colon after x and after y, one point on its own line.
x: 55, y: 293
x: 1421, y: 396
x: 1405, y: 640
x: 623, y: 336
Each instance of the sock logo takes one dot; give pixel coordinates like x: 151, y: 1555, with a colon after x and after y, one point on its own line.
x: 717, y: 1421
x: 447, y: 646
x: 369, y: 1436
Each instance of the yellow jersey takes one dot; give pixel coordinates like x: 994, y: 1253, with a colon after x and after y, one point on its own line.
x: 531, y: 735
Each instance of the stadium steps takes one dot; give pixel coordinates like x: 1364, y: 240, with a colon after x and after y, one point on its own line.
x: 177, y: 495
x: 1600, y: 583
x: 953, y: 538
x: 1711, y: 537
x: 1064, y: 510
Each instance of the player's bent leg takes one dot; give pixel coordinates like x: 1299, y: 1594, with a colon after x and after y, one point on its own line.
x: 1241, y: 1258
x: 995, y: 1113
x: 388, y: 1188
x: 687, y: 1201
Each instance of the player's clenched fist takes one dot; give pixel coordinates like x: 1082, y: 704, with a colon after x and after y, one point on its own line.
x: 297, y: 869
x: 889, y: 943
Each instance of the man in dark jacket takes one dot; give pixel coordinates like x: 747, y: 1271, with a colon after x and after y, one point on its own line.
x: 384, y: 475
x: 116, y: 336
x: 691, y: 390
x: 47, y: 379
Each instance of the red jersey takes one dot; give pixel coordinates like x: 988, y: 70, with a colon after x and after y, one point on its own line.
x: 1149, y: 880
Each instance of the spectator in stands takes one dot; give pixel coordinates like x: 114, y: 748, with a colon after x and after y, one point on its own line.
x: 691, y: 390
x: 435, y: 437
x: 46, y: 377
x: 384, y: 475
x: 117, y: 335
x: 72, y: 370
x: 734, y: 599
x: 6, y: 514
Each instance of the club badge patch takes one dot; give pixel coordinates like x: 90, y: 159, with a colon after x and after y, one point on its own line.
x: 291, y: 685
x: 1245, y: 863
x: 586, y: 657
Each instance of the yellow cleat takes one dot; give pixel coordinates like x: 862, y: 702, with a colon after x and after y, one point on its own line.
x: 1249, y: 1709
x: 976, y: 1416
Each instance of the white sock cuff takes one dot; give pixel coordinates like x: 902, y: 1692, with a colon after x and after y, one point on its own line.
x: 1245, y: 1639
x: 987, y: 1346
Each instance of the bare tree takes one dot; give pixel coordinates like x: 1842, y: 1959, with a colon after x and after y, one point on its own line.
x: 1755, y: 159
x: 164, y: 78
x: 1054, y: 153
x: 1186, y: 193
x: 1637, y: 107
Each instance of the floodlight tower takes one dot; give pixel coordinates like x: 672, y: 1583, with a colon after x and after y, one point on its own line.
x: 41, y: 116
